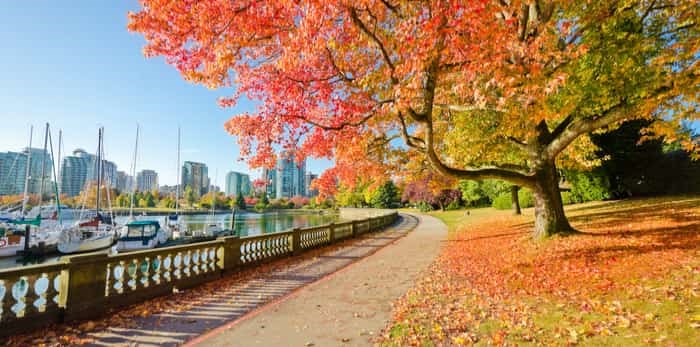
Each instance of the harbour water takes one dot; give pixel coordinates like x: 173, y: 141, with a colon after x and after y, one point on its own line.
x: 246, y: 224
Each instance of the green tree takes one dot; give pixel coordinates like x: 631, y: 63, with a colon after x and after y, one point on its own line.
x: 385, y: 196
x: 190, y: 196
x: 240, y: 202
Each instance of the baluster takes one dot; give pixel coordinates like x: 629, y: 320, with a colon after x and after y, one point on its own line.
x: 41, y: 288
x: 143, y: 269
x: 19, y: 293
x: 156, y: 265
x: 195, y: 262
x: 131, y: 270
x: 177, y: 263
x: 3, y: 306
x: 186, y: 260
x: 167, y: 266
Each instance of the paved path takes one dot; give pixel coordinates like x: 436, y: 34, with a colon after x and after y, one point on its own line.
x: 348, y: 308
x: 240, y: 301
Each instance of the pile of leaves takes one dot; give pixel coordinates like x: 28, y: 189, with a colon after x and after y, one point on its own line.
x: 631, y: 277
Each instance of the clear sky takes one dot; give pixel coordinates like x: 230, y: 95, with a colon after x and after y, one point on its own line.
x: 74, y: 64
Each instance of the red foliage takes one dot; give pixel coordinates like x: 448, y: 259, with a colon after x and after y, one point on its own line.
x: 491, y: 270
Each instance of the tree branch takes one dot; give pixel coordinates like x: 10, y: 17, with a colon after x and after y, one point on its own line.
x: 574, y: 129
x: 358, y: 22
x: 337, y: 69
x: 514, y: 177
x: 411, y: 141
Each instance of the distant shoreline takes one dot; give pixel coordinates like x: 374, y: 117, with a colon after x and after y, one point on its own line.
x: 165, y: 211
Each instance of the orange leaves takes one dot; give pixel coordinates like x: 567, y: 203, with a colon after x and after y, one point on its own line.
x: 492, y: 284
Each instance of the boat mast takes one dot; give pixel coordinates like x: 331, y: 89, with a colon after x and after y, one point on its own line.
x: 26, y: 175
x: 99, y: 169
x: 55, y: 178
x: 179, y: 178
x: 213, y: 194
x: 133, y: 174
x: 43, y: 167
x: 58, y: 169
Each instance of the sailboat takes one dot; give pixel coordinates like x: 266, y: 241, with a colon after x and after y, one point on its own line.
x: 140, y: 234
x: 212, y: 228
x: 173, y: 224
x: 39, y: 232
x: 97, y: 232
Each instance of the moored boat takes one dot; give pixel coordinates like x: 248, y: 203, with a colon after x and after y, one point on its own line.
x: 96, y: 233
x: 86, y: 236
x: 141, y: 234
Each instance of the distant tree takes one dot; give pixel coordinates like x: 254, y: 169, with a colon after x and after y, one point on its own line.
x: 385, y: 196
x: 240, y: 202
x: 156, y: 194
x: 189, y: 195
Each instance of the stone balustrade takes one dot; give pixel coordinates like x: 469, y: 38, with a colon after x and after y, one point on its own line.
x: 87, y: 285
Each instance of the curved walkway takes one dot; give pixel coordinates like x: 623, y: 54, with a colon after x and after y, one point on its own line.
x: 388, y: 260
x: 348, y: 308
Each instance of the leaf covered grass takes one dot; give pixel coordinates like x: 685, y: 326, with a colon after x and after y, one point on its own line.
x: 630, y: 278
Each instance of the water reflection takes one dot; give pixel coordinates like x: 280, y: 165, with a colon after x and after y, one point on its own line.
x: 248, y: 224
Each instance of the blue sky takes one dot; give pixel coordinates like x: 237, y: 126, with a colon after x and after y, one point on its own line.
x: 74, y: 64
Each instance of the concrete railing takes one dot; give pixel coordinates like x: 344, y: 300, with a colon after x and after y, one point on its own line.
x: 86, y: 286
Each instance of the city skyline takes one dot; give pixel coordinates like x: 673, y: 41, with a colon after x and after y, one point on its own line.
x: 78, y: 84
x: 77, y: 168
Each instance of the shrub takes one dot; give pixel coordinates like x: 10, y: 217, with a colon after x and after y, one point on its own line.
x: 424, y: 206
x: 567, y: 198
x: 260, y: 206
x: 454, y: 205
x: 588, y: 186
x: 503, y: 201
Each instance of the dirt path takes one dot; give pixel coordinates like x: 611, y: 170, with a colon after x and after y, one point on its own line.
x: 347, y: 308
x: 232, y: 302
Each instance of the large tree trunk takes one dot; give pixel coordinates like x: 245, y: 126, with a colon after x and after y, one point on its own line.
x: 549, y: 210
x: 514, y: 201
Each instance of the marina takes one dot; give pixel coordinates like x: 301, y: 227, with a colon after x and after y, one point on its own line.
x: 246, y: 224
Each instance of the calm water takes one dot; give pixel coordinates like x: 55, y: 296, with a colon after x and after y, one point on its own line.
x: 247, y: 224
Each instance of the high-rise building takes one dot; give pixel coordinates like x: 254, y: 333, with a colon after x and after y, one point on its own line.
x: 290, y: 176
x: 246, y: 185
x: 124, y: 182
x: 41, y: 164
x: 196, y: 176
x: 13, y: 170
x: 146, y: 180
x: 13, y: 166
x: 237, y: 184
x: 308, y: 178
x: 81, y: 168
x: 270, y: 178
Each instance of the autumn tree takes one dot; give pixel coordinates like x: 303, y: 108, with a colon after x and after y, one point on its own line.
x: 500, y: 89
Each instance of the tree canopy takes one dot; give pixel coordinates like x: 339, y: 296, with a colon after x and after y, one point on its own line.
x: 500, y: 89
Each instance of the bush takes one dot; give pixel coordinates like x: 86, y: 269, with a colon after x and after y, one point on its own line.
x: 454, y: 205
x: 525, y: 198
x: 587, y: 186
x: 260, y: 206
x: 567, y: 198
x: 424, y: 206
x: 503, y: 201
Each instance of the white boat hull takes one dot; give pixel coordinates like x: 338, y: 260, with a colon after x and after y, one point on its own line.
x: 86, y: 245
x: 10, y: 249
